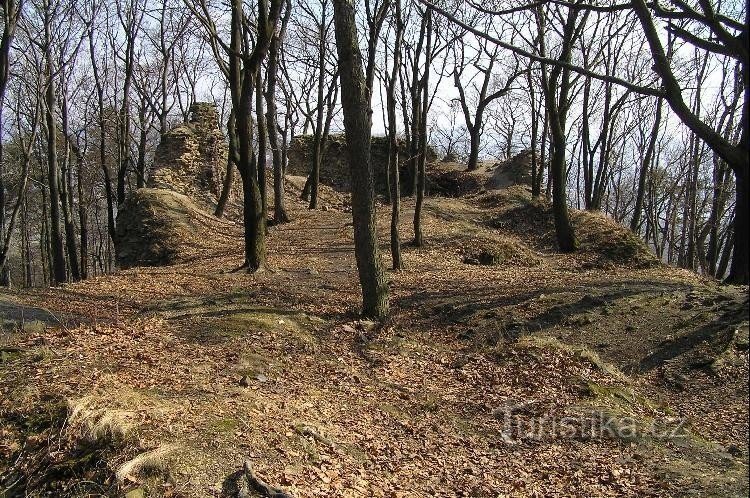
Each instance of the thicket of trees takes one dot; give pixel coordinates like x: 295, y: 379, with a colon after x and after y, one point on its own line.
x: 636, y: 109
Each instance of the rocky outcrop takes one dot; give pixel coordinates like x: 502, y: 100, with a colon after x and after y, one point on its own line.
x: 334, y: 171
x: 169, y: 220
x: 450, y: 179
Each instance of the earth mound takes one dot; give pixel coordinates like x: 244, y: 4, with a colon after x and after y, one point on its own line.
x: 167, y: 222
x: 602, y: 240
x: 160, y: 227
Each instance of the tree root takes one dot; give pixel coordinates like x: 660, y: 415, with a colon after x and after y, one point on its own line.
x: 309, y: 431
x: 259, y: 486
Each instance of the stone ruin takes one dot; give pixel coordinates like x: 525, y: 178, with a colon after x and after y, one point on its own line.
x: 452, y: 179
x: 191, y: 157
x: 169, y: 220
x: 334, y: 170
x: 513, y: 171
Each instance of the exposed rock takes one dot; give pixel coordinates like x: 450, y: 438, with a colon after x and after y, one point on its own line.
x: 451, y: 179
x: 513, y: 171
x: 334, y: 170
x: 191, y: 158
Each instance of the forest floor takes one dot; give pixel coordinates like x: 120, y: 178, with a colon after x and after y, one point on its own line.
x: 510, y: 372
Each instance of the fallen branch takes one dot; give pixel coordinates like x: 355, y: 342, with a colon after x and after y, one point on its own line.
x: 259, y: 486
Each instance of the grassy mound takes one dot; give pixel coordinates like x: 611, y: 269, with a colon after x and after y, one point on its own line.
x: 602, y: 240
x: 610, y: 241
x: 158, y: 227
x: 495, y: 251
x: 456, y: 227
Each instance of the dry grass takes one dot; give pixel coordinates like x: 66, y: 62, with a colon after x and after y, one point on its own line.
x: 99, y: 424
x: 149, y: 462
x: 547, y: 342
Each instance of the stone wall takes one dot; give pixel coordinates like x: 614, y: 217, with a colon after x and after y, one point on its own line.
x: 191, y: 157
x: 169, y: 221
x: 334, y: 170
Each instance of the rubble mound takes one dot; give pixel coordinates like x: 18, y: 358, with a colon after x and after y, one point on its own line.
x: 334, y: 170
x: 160, y: 227
x: 603, y: 241
x: 451, y: 179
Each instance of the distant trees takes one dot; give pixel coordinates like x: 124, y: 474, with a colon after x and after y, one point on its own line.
x: 485, y: 86
x: 720, y: 35
x: 637, y: 110
x: 104, y: 77
x: 315, y: 30
x: 622, y: 55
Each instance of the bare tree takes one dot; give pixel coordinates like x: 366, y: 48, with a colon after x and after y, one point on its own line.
x: 10, y: 14
x: 355, y: 98
x: 393, y: 160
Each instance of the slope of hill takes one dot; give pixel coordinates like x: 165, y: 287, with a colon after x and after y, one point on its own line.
x: 524, y: 372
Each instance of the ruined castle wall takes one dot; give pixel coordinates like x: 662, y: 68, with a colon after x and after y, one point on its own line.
x: 334, y: 170
x: 191, y: 158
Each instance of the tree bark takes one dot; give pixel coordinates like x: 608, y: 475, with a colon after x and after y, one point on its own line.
x: 243, y: 71
x: 356, y: 106
x: 66, y: 194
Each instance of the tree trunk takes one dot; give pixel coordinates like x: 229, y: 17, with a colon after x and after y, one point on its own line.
x: 738, y: 272
x: 635, y: 222
x: 232, y: 159
x: 262, y: 147
x: 59, y: 269
x: 422, y: 152
x: 254, y: 221
x: 557, y: 110
x: 66, y: 197
x: 314, y: 179
x: 140, y: 168
x: 474, y: 147
x: 356, y: 106
x: 279, y: 208
x: 11, y: 13
x: 393, y: 169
